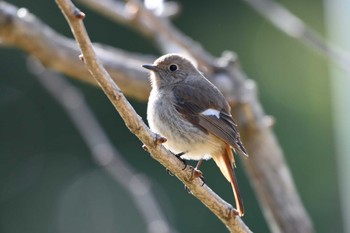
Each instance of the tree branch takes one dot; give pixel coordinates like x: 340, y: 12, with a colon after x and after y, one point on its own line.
x: 219, y: 207
x: 20, y: 28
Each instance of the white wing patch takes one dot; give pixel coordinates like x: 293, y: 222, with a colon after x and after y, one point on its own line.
x: 211, y: 112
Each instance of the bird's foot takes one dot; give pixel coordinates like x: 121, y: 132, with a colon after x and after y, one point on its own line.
x: 195, y: 174
x: 145, y: 148
x: 182, y: 160
x: 198, y: 174
x: 188, y: 190
x: 169, y: 172
x: 236, y: 212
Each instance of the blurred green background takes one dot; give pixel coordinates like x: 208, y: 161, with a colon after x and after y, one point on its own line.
x: 50, y: 183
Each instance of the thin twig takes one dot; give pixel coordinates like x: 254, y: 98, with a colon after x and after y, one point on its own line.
x: 219, y: 207
x: 280, y: 17
x: 101, y: 148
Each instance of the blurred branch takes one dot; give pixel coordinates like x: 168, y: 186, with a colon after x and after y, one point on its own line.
x: 221, y: 209
x: 134, y: 14
x: 23, y: 30
x: 101, y: 148
x: 266, y: 166
x: 268, y: 171
x: 291, y: 25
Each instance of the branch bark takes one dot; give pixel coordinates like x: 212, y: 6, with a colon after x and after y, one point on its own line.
x: 134, y: 122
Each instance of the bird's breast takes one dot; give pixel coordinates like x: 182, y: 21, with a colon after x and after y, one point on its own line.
x: 182, y: 136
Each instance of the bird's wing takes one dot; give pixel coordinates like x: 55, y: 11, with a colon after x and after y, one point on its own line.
x: 211, y: 115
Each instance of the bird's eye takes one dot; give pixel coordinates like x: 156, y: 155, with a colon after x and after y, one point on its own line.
x: 173, y: 67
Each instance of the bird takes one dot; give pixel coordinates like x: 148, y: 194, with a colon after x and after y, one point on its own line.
x: 194, y: 116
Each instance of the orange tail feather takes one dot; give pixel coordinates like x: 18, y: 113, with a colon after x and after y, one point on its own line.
x: 226, y: 164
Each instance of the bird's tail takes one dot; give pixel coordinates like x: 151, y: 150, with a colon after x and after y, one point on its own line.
x: 226, y: 164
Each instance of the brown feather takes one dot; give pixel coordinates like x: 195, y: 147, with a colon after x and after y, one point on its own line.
x: 191, y: 106
x: 223, y: 161
x: 223, y: 130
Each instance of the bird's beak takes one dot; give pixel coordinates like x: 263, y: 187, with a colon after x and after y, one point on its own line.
x: 150, y: 67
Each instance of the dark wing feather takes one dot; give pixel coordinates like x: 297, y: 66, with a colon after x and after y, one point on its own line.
x: 223, y: 128
x: 190, y: 106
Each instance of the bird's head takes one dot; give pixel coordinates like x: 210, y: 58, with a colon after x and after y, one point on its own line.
x: 170, y: 69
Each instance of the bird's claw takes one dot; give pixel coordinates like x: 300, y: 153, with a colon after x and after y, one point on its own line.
x: 197, y: 173
x: 169, y: 172
x: 203, y: 180
x: 144, y: 147
x: 236, y: 212
x: 188, y: 190
x: 181, y: 159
